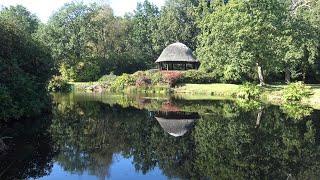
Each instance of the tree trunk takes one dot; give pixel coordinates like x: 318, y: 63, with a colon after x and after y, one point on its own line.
x: 259, y: 117
x: 260, y: 74
x: 304, y: 73
x: 287, y: 75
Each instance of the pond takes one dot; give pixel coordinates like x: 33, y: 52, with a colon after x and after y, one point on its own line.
x: 91, y: 136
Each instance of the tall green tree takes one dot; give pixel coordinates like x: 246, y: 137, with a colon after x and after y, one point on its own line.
x: 241, y: 38
x: 301, y: 40
x: 103, y: 24
x: 68, y: 30
x: 24, y: 67
x: 144, y: 23
x: 177, y: 22
x: 68, y: 34
x: 205, y: 7
x: 21, y: 17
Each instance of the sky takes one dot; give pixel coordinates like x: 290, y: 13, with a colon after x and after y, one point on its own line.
x: 44, y: 8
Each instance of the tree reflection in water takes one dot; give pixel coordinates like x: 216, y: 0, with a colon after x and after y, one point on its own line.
x: 222, y: 140
x: 29, y: 150
x: 224, y: 143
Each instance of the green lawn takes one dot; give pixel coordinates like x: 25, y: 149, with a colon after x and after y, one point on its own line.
x: 271, y: 93
x: 208, y: 89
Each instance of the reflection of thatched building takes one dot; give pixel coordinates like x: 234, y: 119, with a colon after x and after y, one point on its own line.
x: 176, y: 123
x: 177, y: 56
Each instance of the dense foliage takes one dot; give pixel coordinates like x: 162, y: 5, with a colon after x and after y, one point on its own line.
x: 236, y: 41
x: 249, y: 91
x: 24, y: 65
x: 240, y: 37
x: 140, y: 80
x: 260, y: 40
x: 198, y: 77
x: 87, y: 40
x: 295, y: 92
x: 58, y: 84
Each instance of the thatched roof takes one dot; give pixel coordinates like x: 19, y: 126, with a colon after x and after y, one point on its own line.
x: 177, y: 52
x: 176, y: 127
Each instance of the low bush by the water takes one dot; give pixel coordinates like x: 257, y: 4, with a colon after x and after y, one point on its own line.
x: 123, y: 82
x: 81, y: 72
x: 171, y: 77
x: 107, y: 80
x: 143, y: 81
x: 295, y: 92
x: 139, y: 79
x: 58, y: 84
x: 154, y: 77
x: 109, y: 77
x: 197, y: 77
x: 249, y: 91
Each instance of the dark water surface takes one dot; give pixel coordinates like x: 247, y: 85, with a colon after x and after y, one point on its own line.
x: 120, y: 137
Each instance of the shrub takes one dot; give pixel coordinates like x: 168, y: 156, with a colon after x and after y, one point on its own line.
x: 122, y: 82
x: 295, y: 92
x: 7, y: 107
x: 143, y: 81
x: 154, y: 75
x: 109, y: 77
x: 87, y: 71
x: 171, y: 77
x: 67, y: 72
x: 156, y: 78
x: 107, y: 80
x: 58, y: 84
x: 248, y: 104
x: 249, y: 91
x: 296, y: 111
x: 25, y: 67
x: 82, y: 71
x: 198, y: 77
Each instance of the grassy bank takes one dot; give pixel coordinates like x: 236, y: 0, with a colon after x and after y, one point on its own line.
x: 272, y: 94
x: 224, y: 90
x: 97, y: 86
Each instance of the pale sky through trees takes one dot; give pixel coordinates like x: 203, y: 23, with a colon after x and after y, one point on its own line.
x: 44, y: 8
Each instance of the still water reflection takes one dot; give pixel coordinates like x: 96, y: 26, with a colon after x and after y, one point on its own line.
x: 119, y: 137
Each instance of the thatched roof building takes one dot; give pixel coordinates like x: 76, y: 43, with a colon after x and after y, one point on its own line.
x: 176, y: 123
x: 177, y: 56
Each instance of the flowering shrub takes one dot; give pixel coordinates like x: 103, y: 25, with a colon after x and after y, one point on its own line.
x: 171, y: 77
x: 143, y: 81
x: 156, y: 78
